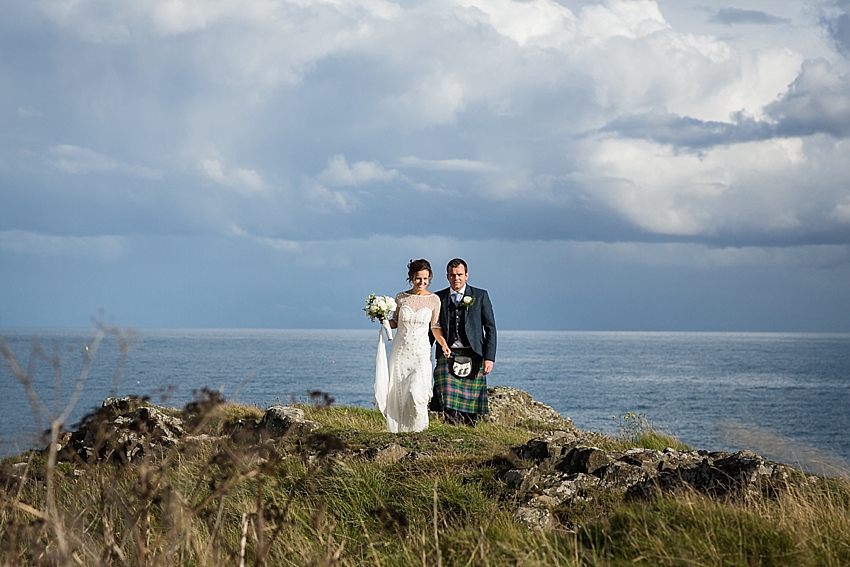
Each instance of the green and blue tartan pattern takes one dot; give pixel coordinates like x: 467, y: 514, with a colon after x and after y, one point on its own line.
x: 461, y: 394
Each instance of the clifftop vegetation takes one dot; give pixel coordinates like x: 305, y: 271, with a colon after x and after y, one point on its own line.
x: 217, y: 483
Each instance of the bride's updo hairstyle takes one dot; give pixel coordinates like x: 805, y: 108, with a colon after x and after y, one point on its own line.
x: 415, y: 266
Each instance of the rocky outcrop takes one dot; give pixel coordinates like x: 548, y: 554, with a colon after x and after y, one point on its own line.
x: 564, y: 472
x: 124, y: 429
x: 512, y: 408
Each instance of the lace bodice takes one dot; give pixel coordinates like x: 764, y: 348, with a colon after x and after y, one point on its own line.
x: 415, y: 315
x: 417, y: 303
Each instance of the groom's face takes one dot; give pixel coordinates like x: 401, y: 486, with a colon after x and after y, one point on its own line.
x: 457, y: 277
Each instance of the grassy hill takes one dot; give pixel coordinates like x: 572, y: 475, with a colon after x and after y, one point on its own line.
x: 345, y: 492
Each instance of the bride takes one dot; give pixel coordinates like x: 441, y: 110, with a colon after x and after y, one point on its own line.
x: 403, y: 386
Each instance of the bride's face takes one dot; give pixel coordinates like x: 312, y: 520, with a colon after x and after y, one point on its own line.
x: 421, y: 279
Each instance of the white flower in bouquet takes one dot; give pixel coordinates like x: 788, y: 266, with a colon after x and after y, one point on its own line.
x: 379, y: 306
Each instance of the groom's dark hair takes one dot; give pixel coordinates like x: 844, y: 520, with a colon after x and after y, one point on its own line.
x: 455, y: 263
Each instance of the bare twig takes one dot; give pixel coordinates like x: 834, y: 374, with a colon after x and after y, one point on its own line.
x: 244, y: 539
x: 436, y: 533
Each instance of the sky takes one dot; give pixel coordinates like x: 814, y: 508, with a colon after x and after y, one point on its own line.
x: 625, y: 165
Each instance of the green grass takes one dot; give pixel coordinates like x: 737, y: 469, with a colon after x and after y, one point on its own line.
x: 635, y: 430
x: 449, y: 507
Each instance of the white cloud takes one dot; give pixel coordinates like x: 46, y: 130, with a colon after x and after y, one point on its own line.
x: 330, y: 190
x: 764, y: 75
x: 327, y: 200
x: 29, y: 112
x: 522, y: 21
x: 280, y: 243
x: 627, y: 55
x: 107, y: 21
x: 73, y: 159
x: 841, y: 212
x: 436, y: 100
x: 245, y: 181
x: 276, y: 243
x: 617, y: 18
x: 464, y: 165
x: 817, y: 101
x: 706, y: 257
x: 339, y: 173
x: 763, y: 186
x: 76, y: 160
x: 109, y: 248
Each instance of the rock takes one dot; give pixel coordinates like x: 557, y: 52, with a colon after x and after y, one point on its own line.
x: 119, y: 406
x: 571, y: 488
x: 244, y: 431
x: 515, y: 477
x: 123, y: 428
x: 536, y: 518
x: 523, y: 480
x: 583, y: 460
x: 644, y: 473
x: 718, y: 474
x: 544, y: 501
x: 553, y: 489
x: 550, y: 447
x: 418, y: 456
x: 512, y: 407
x: 618, y: 477
x: 279, y: 421
x: 157, y: 426
x: 647, y: 459
x: 386, y: 454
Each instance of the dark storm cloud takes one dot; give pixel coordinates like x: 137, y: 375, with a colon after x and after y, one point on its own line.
x: 682, y: 131
x: 836, y: 20
x: 817, y: 102
x: 731, y: 16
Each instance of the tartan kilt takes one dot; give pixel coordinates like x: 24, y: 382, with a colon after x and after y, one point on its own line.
x: 468, y: 395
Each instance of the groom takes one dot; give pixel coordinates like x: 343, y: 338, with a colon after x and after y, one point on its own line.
x: 467, y: 322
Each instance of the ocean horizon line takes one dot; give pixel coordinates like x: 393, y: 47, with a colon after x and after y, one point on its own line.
x: 61, y: 328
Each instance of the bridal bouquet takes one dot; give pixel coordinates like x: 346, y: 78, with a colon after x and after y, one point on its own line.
x: 380, y: 307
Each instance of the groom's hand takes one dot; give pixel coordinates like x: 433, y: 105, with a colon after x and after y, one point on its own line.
x: 488, y: 367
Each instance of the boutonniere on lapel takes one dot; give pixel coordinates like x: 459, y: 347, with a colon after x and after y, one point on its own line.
x: 467, y: 301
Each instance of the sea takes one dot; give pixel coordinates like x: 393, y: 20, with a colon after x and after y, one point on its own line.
x: 784, y: 396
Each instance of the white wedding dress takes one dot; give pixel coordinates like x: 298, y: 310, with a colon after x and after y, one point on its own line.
x: 403, y: 385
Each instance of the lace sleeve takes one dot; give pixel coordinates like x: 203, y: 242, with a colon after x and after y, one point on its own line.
x: 435, y: 312
x: 398, y: 300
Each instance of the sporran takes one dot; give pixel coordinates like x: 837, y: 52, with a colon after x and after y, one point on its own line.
x: 461, y: 366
